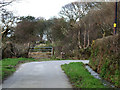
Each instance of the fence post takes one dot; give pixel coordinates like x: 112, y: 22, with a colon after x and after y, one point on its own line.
x: 52, y: 51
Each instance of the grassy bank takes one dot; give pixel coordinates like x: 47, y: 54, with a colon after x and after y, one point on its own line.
x: 80, y: 77
x: 105, y: 57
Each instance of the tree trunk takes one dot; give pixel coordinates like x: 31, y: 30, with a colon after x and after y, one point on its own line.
x: 88, y: 40
x: 84, y: 39
x: 41, y: 37
x: 79, y: 44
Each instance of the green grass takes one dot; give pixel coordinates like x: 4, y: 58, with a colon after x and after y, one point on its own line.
x: 80, y: 77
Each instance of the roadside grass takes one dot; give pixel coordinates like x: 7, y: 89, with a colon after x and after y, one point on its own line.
x: 80, y: 77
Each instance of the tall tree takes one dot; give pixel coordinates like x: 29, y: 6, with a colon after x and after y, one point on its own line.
x: 25, y: 30
x: 8, y: 23
x: 74, y: 12
x: 3, y: 3
x: 40, y: 28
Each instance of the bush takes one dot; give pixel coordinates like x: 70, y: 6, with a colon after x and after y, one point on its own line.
x: 15, y: 50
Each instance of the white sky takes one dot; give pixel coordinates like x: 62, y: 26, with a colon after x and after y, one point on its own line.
x: 41, y: 8
x: 38, y: 8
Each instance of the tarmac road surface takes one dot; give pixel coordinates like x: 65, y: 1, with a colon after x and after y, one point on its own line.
x: 45, y: 74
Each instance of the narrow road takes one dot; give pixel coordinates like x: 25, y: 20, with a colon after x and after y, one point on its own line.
x: 45, y: 74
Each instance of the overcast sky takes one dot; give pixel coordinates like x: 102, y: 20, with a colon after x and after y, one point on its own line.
x: 43, y: 8
x: 37, y: 8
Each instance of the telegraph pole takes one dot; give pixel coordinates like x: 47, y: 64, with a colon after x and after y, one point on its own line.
x: 115, y: 23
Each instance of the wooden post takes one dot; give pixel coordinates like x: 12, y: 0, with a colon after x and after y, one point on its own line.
x: 52, y: 51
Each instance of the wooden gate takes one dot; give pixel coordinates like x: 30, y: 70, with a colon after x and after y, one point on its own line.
x: 41, y: 52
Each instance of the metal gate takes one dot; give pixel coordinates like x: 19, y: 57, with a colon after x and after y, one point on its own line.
x: 41, y: 52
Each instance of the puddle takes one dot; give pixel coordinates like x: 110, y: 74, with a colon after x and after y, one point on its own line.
x: 96, y: 75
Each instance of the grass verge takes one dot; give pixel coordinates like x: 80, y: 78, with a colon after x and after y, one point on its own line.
x: 80, y: 77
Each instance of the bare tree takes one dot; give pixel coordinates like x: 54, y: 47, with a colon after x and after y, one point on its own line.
x: 40, y: 28
x: 3, y: 3
x: 8, y: 23
x: 25, y: 31
x: 74, y: 12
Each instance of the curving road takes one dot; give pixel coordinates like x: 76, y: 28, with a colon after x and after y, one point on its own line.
x: 45, y: 74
